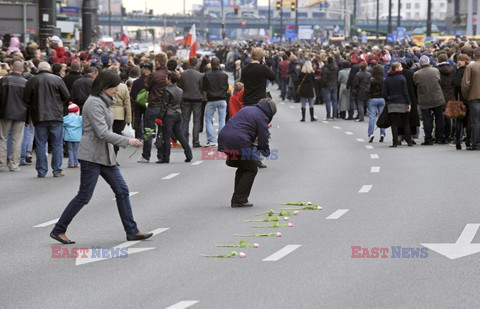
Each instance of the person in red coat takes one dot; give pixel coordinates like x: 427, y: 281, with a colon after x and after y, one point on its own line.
x: 236, y: 100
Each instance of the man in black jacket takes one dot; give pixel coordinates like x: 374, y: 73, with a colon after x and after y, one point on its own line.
x: 82, y: 87
x: 254, y: 78
x: 191, y: 83
x: 45, y: 94
x: 13, y: 114
x: 74, y: 74
x: 215, y: 83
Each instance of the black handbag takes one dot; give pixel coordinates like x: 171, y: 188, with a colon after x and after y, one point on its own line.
x: 383, y: 121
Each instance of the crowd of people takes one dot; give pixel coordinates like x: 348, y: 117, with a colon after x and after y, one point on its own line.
x: 353, y: 81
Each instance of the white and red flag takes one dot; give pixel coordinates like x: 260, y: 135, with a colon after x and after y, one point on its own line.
x: 191, y: 41
x: 124, y: 38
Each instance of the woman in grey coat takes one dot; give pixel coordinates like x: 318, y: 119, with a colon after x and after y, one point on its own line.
x: 97, y: 158
x: 344, y: 93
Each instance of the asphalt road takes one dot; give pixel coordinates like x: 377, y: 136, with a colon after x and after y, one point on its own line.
x: 390, y: 197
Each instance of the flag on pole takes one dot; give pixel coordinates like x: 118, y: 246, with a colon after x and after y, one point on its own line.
x: 191, y: 41
x: 124, y: 38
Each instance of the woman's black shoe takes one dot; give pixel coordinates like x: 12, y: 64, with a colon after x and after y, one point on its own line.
x: 393, y: 146
x: 382, y: 138
x: 140, y: 237
x: 459, y: 146
x: 188, y: 160
x: 63, y: 241
x: 410, y: 143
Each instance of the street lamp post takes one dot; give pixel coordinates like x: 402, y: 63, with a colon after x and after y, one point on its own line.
x: 429, y: 18
x: 389, y: 16
x: 281, y: 23
x: 269, y: 21
x: 378, y: 19
x: 398, y: 13
x: 223, y: 20
x: 469, y: 17
x: 296, y: 18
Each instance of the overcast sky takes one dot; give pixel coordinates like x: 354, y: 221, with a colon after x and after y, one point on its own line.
x: 167, y: 6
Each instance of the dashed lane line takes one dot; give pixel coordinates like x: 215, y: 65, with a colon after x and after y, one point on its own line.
x: 375, y: 169
x: 324, y: 121
x: 183, y: 304
x: 365, y: 189
x: 337, y: 127
x: 337, y: 214
x: 170, y: 176
x: 197, y: 162
x: 348, y: 133
x: 281, y: 253
x: 369, y: 146
x: 374, y: 156
x: 360, y: 139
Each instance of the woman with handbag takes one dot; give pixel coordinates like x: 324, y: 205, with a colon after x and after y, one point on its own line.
x: 306, y: 89
x: 398, y: 103
x: 97, y: 158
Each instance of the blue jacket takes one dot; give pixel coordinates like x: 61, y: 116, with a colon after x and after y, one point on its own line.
x: 72, y: 128
x: 242, y: 130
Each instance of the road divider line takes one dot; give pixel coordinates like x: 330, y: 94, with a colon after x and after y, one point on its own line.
x: 360, y: 140
x: 183, y: 304
x: 197, y: 162
x: 374, y: 156
x: 337, y: 127
x: 281, y: 253
x: 170, y: 176
x: 365, y: 189
x: 337, y: 214
x: 369, y: 146
x: 348, y: 133
x: 375, y: 169
x: 324, y: 121
x: 130, y: 194
x: 48, y: 223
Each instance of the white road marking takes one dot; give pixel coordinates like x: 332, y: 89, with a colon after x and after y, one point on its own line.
x: 281, y: 253
x: 197, y: 162
x: 291, y: 106
x: 337, y: 214
x: 375, y: 169
x: 348, y: 133
x: 324, y: 121
x: 130, y: 194
x: 374, y: 156
x: 89, y: 259
x: 337, y: 127
x: 283, y: 103
x: 462, y: 247
x: 48, y: 223
x: 278, y: 127
x: 183, y: 304
x: 360, y: 139
x: 365, y: 189
x: 170, y: 176
x: 211, y: 153
x: 369, y: 146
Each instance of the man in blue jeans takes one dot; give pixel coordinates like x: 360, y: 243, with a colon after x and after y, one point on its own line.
x: 215, y: 84
x: 45, y: 93
x: 471, y: 91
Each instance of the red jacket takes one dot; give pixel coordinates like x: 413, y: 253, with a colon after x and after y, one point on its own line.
x: 283, y: 68
x: 235, y: 103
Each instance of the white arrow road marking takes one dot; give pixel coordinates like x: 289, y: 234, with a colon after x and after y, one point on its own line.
x: 337, y: 214
x: 374, y: 156
x: 171, y: 176
x: 337, y: 127
x: 462, y: 247
x: 369, y: 146
x: 324, y: 121
x: 375, y: 169
x: 89, y: 259
x: 348, y: 133
x: 130, y: 194
x: 183, y: 304
x: 211, y: 153
x: 197, y: 162
x: 360, y: 140
x: 365, y: 189
x: 281, y: 253
x: 48, y: 223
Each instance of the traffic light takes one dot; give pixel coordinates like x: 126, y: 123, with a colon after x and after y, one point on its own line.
x: 293, y: 6
x: 279, y: 5
x: 235, y: 9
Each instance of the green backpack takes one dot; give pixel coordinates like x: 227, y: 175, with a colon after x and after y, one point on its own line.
x: 142, y: 98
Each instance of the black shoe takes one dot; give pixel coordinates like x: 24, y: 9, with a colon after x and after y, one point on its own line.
x: 382, y: 138
x: 471, y: 148
x: 197, y: 146
x: 140, y: 237
x: 459, y: 146
x: 28, y: 159
x: 160, y: 161
x: 371, y: 139
x: 410, y: 143
x: 63, y: 241
x: 261, y: 165
x: 237, y: 205
x: 440, y: 142
x: 426, y: 144
x: 302, y: 120
x: 393, y: 146
x: 188, y: 160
